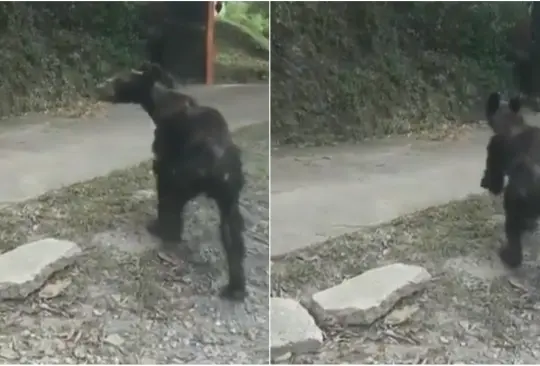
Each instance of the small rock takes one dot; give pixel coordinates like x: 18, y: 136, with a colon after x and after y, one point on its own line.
x: 26, y: 268
x: 292, y: 328
x: 250, y: 334
x: 444, y: 340
x: 79, y: 352
x: 283, y: 358
x: 98, y: 312
x: 363, y: 299
x: 115, y: 340
x: 54, y: 289
x: 144, y: 195
x: 400, y: 316
x: 26, y: 333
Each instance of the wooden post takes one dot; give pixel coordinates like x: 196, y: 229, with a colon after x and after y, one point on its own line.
x: 210, y: 47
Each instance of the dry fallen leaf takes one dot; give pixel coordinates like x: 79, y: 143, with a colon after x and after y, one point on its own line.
x: 169, y: 258
x: 516, y: 283
x: 54, y: 289
x: 114, y: 339
x: 399, y: 316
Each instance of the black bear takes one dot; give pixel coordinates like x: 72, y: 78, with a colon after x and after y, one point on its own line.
x: 193, y: 154
x: 513, y: 152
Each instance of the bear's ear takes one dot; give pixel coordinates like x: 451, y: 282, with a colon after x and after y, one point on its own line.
x: 145, y: 65
x: 492, y: 105
x: 164, y: 77
x: 504, y: 118
x: 156, y: 70
x: 167, y: 80
x: 156, y: 73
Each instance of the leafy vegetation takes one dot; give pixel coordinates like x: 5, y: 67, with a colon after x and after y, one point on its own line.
x: 242, y: 32
x: 253, y: 15
x: 350, y: 71
x: 54, y: 53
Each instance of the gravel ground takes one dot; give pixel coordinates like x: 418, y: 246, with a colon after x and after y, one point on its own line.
x: 124, y: 302
x: 474, y: 311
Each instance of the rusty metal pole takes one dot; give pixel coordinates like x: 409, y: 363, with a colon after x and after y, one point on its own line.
x: 210, y: 46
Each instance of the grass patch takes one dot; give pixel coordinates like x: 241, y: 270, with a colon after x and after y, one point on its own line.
x: 51, y: 60
x: 243, y: 53
x: 463, y: 317
x: 251, y: 15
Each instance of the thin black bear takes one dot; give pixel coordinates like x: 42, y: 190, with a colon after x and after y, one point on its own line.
x: 513, y: 152
x: 193, y: 154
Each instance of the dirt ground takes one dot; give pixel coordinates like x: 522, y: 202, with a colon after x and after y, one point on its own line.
x: 122, y: 302
x: 473, y: 311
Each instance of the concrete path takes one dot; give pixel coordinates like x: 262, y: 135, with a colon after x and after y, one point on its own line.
x: 320, y: 193
x: 39, y: 153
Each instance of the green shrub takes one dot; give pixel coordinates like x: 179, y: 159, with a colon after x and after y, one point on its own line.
x: 350, y: 71
x: 53, y: 54
x: 250, y: 14
x: 242, y: 42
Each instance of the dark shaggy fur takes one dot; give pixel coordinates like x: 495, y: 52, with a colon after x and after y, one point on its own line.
x: 513, y: 152
x: 193, y: 154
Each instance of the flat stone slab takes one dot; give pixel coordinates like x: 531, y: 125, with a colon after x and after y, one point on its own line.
x: 363, y: 299
x: 26, y: 268
x: 293, y: 329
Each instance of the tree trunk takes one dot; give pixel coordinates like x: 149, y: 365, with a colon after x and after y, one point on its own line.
x: 535, y: 48
x: 177, y: 38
